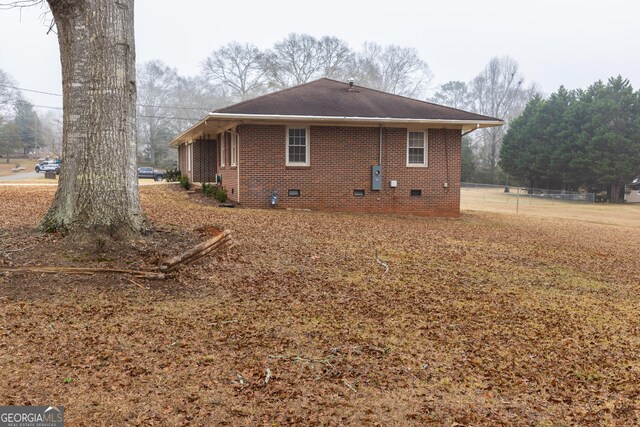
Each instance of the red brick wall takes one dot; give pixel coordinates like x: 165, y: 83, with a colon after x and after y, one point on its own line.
x: 340, y: 161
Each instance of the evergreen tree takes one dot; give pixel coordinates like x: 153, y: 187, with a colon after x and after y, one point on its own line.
x: 587, y: 138
x: 521, y: 147
x: 9, y: 139
x: 27, y: 125
x: 611, y: 135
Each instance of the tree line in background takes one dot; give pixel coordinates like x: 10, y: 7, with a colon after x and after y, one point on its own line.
x: 243, y: 71
x: 498, y: 91
x: 235, y: 72
x: 573, y: 139
x: 22, y: 130
x: 168, y: 103
x: 578, y: 139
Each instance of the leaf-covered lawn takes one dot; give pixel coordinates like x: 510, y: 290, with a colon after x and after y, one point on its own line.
x: 488, y: 319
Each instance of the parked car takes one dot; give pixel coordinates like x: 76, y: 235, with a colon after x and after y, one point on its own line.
x: 146, y: 172
x: 49, y: 165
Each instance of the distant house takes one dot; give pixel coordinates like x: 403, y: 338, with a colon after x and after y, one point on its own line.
x: 333, y: 146
x: 632, y: 195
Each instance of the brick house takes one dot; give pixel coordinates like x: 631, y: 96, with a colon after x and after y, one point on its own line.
x: 333, y: 146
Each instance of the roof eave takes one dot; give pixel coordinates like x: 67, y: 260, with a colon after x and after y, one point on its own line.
x: 464, y: 124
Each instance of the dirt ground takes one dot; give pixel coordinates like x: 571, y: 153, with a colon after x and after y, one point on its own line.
x: 485, y: 320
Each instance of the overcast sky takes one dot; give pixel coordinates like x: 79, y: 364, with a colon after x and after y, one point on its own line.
x: 567, y: 42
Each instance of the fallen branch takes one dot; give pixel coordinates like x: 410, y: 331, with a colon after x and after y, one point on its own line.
x: 224, y: 322
x: 218, y: 245
x: 201, y: 254
x: 197, y: 251
x: 137, y: 284
x: 350, y: 387
x: 355, y: 348
x: 324, y: 361
x: 382, y: 263
x: 10, y: 251
x: 83, y: 270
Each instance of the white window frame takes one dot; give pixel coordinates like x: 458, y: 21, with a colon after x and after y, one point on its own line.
x: 234, y: 150
x: 307, y: 146
x: 425, y: 147
x: 223, y: 144
x: 189, y: 156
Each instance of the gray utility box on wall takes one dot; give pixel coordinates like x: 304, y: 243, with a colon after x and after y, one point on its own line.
x: 376, y: 178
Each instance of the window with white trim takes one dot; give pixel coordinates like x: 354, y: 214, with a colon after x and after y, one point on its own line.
x: 234, y: 149
x: 417, y: 148
x: 223, y: 143
x: 297, y: 146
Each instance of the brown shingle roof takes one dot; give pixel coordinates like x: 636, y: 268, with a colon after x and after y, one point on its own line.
x: 331, y: 98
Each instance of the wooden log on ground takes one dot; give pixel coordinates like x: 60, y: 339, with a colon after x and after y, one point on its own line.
x: 197, y: 251
x: 83, y: 270
x: 207, y: 251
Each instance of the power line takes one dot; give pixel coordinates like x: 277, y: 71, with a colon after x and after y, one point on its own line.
x: 138, y: 105
x: 31, y: 90
x: 46, y: 106
x: 191, y: 119
x: 171, y: 108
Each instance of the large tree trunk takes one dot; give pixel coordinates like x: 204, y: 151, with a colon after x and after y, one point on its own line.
x: 614, y: 193
x: 98, y: 189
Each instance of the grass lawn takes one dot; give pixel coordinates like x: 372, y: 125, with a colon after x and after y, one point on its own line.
x: 489, y: 319
x: 5, y: 168
x: 495, y: 200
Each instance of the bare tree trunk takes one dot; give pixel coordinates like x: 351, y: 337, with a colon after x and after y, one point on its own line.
x: 98, y: 190
x: 152, y: 143
x: 614, y: 191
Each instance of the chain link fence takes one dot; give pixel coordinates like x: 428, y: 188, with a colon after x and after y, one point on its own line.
x: 516, y: 197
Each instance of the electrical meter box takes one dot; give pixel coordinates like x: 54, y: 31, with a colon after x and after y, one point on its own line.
x: 376, y: 178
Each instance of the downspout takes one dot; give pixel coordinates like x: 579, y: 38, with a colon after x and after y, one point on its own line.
x: 380, y: 148
x: 238, y: 165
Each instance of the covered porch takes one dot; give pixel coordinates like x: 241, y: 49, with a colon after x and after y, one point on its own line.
x: 204, y: 150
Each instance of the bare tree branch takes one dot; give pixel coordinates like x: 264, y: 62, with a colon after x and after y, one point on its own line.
x: 293, y: 61
x: 391, y: 69
x: 237, y: 67
x: 20, y: 4
x: 498, y: 91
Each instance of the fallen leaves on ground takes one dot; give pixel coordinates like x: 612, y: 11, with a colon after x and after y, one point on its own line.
x: 484, y: 320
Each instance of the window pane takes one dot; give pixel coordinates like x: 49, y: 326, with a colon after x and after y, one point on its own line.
x: 297, y: 136
x: 416, y: 155
x: 298, y: 154
x: 416, y: 148
x: 416, y: 139
x: 297, y: 145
